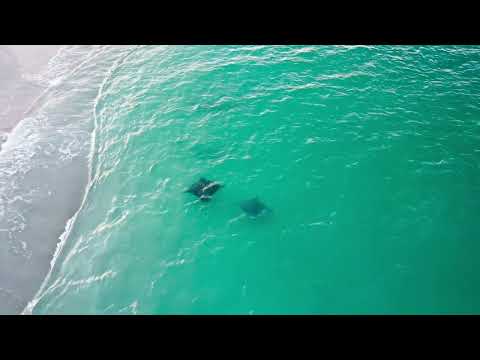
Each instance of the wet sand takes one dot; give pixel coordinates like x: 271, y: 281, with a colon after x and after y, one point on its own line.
x: 18, y: 64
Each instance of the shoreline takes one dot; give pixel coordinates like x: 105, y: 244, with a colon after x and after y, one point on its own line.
x: 19, y: 65
x: 38, y: 205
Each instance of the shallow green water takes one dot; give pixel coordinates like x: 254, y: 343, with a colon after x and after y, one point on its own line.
x: 369, y: 157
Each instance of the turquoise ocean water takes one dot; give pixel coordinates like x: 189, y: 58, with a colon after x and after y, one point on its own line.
x: 368, y: 155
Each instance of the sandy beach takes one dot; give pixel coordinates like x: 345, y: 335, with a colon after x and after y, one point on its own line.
x: 18, y: 63
x: 44, y: 162
x: 19, y: 66
x: 47, y: 125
